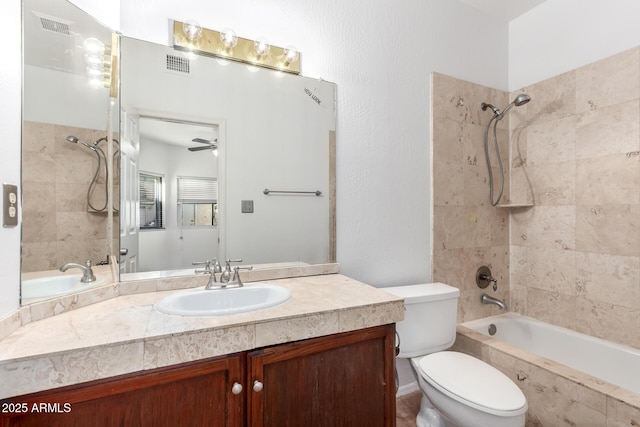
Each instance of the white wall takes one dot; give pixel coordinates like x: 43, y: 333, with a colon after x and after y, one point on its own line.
x: 561, y: 35
x: 10, y: 79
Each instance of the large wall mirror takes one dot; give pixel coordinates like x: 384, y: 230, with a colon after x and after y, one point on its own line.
x: 201, y: 140
x: 65, y: 140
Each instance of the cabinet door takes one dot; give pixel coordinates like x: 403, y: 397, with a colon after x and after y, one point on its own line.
x: 339, y: 380
x: 193, y: 394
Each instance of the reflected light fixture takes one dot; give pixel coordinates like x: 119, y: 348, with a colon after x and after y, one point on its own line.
x: 192, y: 30
x: 191, y: 37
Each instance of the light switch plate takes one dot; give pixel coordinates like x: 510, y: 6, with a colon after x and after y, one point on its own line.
x: 10, y: 205
x: 247, y: 206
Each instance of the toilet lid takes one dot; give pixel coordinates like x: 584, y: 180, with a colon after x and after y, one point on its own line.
x: 472, y: 382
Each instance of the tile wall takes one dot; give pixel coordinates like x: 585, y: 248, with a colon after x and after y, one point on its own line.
x: 468, y: 231
x: 56, y: 225
x: 575, y: 256
x: 573, y: 259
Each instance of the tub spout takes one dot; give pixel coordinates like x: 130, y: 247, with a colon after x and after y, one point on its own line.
x: 486, y: 299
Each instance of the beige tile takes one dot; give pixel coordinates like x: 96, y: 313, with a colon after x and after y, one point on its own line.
x: 609, y: 81
x: 39, y: 227
x: 608, y: 180
x: 551, y: 99
x: 544, y: 227
x: 461, y: 227
x: 623, y: 409
x: 553, y: 183
x: 552, y: 270
x: 552, y: 307
x: 37, y: 138
x: 612, y: 229
x: 521, y: 186
x: 608, y: 130
x: 552, y: 141
x: 38, y: 167
x: 608, y: 278
x: 448, y: 184
x: 607, y: 321
x: 449, y: 140
x: 38, y: 197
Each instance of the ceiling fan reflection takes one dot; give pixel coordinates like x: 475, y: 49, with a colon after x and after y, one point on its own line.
x: 209, y: 144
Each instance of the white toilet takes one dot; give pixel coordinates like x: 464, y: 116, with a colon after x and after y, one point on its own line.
x: 458, y: 390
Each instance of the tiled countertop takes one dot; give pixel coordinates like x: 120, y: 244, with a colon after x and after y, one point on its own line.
x: 126, y: 334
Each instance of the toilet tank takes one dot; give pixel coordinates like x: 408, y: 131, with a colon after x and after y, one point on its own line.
x: 430, y: 318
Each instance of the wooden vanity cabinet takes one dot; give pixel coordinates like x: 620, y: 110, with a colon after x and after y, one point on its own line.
x: 193, y: 394
x: 339, y: 380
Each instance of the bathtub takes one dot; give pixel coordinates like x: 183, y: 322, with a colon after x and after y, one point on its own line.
x: 568, y: 378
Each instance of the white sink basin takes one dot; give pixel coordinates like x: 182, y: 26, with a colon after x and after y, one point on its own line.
x: 220, y: 302
x: 52, y: 286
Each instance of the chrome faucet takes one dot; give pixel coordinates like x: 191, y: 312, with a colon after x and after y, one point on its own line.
x: 87, y: 272
x: 486, y: 299
x: 212, y: 283
x: 225, y: 276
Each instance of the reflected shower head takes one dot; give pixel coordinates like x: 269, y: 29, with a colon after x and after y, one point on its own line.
x: 76, y: 140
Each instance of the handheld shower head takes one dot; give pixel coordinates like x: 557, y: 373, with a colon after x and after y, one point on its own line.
x: 76, y: 140
x: 521, y: 99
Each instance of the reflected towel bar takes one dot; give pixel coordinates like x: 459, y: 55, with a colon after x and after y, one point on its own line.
x: 267, y: 192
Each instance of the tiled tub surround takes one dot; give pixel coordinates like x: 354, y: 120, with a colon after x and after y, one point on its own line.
x: 573, y: 259
x: 556, y: 394
x: 468, y: 232
x: 126, y: 334
x: 575, y: 256
x: 56, y: 225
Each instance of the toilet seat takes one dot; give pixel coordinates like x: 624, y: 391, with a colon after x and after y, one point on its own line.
x: 472, y: 382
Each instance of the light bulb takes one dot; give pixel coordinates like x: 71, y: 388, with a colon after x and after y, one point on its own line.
x: 93, y: 58
x: 261, y: 47
x: 291, y: 54
x: 228, y: 38
x: 192, y: 29
x: 92, y: 45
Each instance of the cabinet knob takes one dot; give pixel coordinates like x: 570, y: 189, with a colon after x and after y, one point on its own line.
x: 257, y: 386
x: 237, y: 388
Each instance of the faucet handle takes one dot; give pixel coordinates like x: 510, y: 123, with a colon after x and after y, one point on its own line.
x: 236, y: 273
x: 228, y: 264
x: 87, y: 274
x: 207, y: 267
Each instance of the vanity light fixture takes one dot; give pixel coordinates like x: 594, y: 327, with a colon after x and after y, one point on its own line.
x: 227, y: 45
x: 192, y: 30
x: 101, y: 63
x: 228, y: 38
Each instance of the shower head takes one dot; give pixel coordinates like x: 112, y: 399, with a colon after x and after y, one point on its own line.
x: 76, y: 140
x: 521, y: 99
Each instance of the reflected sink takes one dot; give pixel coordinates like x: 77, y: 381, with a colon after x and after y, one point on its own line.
x: 53, y: 286
x: 221, y: 302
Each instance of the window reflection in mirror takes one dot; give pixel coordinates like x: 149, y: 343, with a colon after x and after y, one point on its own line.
x: 151, y: 197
